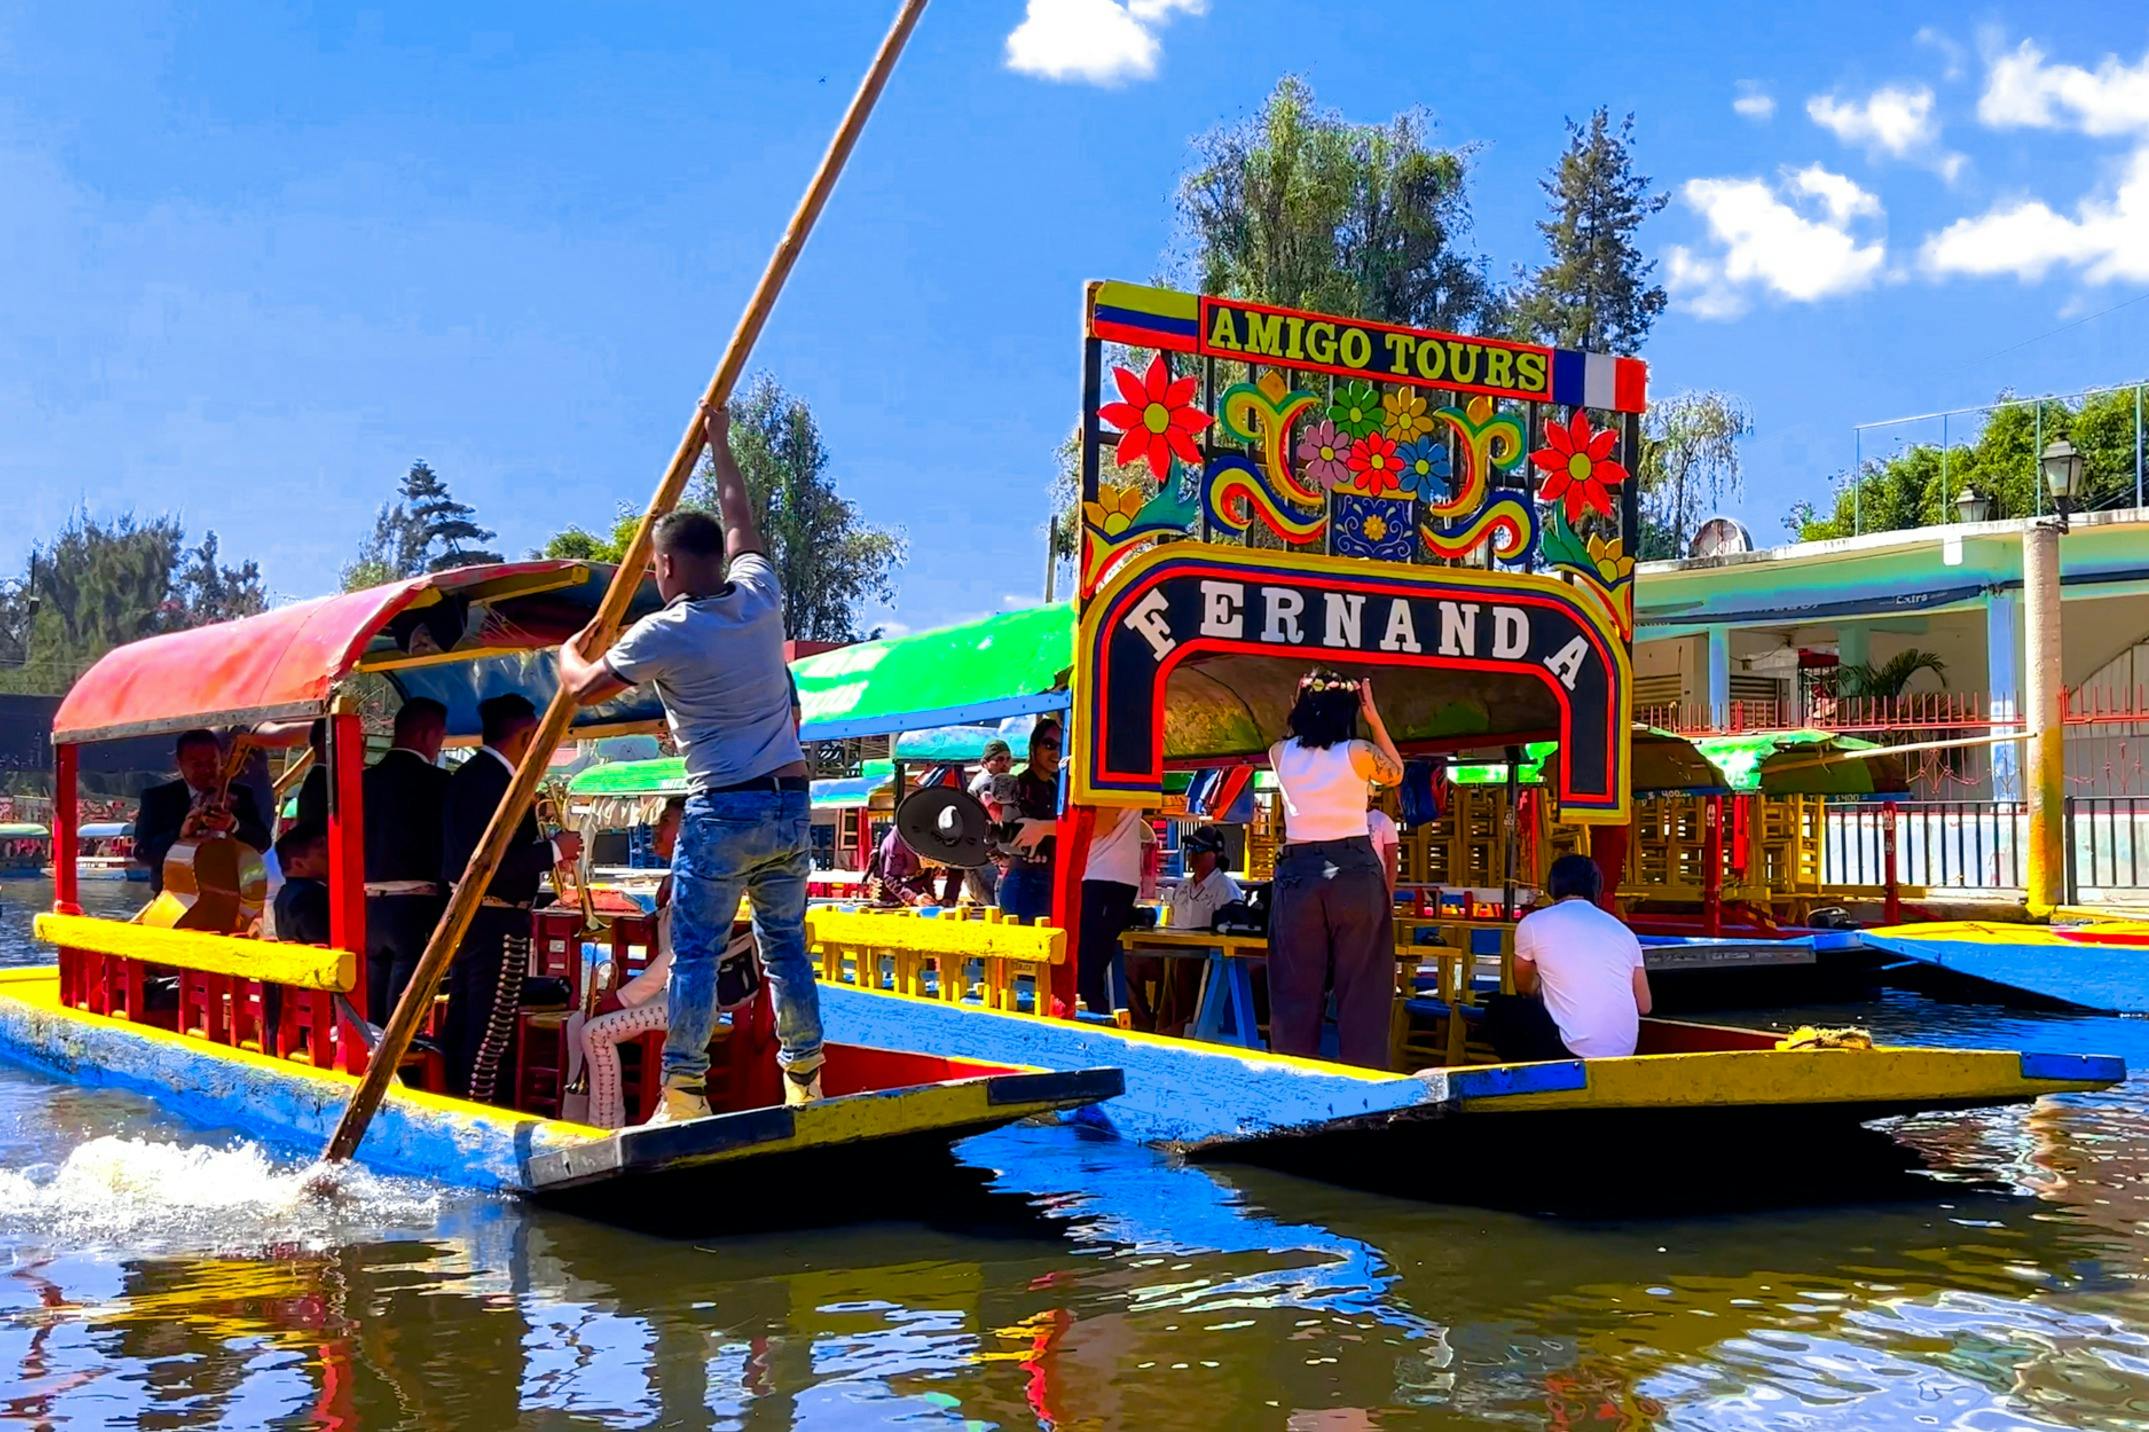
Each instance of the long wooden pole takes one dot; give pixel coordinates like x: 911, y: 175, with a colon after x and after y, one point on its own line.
x: 477, y: 875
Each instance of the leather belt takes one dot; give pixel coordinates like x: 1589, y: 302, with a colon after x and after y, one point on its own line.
x: 771, y: 784
x: 403, y: 887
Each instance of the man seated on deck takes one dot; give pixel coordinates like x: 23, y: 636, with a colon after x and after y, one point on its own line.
x: 1580, y: 986
x: 715, y: 654
x: 185, y: 808
x: 313, y: 790
x: 896, y: 876
x: 485, y: 977
x: 1205, y: 888
x: 302, y: 902
x: 405, y: 793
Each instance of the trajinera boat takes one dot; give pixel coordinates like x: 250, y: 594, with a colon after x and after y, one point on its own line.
x: 227, y: 1029
x: 1263, y: 491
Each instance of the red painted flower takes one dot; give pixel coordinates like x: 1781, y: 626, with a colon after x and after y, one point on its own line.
x: 1375, y: 465
x: 1158, y: 420
x: 1579, y: 472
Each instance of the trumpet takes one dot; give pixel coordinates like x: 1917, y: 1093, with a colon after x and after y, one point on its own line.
x: 570, y: 879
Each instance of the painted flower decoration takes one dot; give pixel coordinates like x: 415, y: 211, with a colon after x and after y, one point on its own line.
x: 1324, y: 453
x: 1403, y: 414
x: 1374, y: 463
x: 1114, y: 510
x: 1355, y: 409
x: 1376, y: 528
x: 1579, y: 472
x: 1157, y: 420
x: 1611, y: 560
x: 1426, y: 466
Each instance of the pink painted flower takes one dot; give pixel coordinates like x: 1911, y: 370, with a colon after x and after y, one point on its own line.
x: 1324, y: 454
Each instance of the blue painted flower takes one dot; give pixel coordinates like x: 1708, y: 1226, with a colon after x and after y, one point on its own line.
x: 1425, y: 463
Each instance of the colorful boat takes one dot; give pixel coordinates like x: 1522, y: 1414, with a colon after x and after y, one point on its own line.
x: 25, y: 847
x: 2100, y: 965
x: 104, y: 852
x: 181, y: 1014
x: 1491, y: 621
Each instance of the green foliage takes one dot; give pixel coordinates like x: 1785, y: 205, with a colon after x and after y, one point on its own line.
x: 1892, y: 677
x: 1916, y: 488
x: 98, y: 584
x: 423, y: 530
x: 830, y: 560
x: 1689, y: 465
x: 1297, y: 206
x: 1593, y: 292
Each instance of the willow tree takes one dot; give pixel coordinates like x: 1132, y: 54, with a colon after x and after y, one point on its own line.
x: 1690, y: 465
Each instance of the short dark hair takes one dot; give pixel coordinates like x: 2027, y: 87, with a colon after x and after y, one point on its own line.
x: 297, y: 838
x: 498, y: 715
x: 1049, y: 731
x: 199, y: 736
x: 1326, y: 711
x: 317, y: 733
x: 418, y: 713
x: 1574, y: 875
x: 689, y: 532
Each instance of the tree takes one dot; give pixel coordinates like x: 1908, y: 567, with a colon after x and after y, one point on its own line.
x: 393, y: 550
x: 829, y: 559
x: 1891, y: 678
x: 451, y: 538
x: 211, y: 592
x: 1594, y: 291
x: 1299, y: 207
x: 1689, y: 465
x: 1918, y: 486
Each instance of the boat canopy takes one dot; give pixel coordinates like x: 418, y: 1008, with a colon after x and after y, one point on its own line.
x: 623, y: 793
x: 1800, y: 762
x: 458, y: 637
x: 107, y: 829
x: 1012, y: 664
x: 965, y: 743
x: 23, y: 830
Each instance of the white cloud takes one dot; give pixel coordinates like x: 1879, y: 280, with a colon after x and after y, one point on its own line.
x: 1793, y: 240
x: 1102, y: 42
x: 2106, y: 238
x: 1753, y: 102
x: 1952, y: 53
x: 2024, y: 92
x: 1895, y: 120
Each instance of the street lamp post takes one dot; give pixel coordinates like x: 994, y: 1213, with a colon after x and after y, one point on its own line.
x: 2062, y: 466
x: 2045, y: 759
x: 1972, y: 507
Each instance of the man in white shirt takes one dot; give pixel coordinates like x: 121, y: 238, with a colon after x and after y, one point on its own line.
x: 1584, y: 966
x: 1205, y: 888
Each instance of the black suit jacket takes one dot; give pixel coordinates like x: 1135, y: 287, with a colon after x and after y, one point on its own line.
x: 406, y: 802
x: 474, y: 793
x: 302, y: 912
x: 313, y: 798
x: 164, y: 809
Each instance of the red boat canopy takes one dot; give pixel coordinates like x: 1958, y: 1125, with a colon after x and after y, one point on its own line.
x: 458, y: 637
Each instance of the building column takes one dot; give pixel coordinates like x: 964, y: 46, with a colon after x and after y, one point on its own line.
x: 1719, y: 676
x: 2003, y: 695
x: 1854, y: 645
x: 2045, y: 871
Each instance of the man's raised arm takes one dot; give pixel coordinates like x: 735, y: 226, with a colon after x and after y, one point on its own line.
x: 734, y: 507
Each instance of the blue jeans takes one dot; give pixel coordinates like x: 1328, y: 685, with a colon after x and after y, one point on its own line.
x: 1026, y: 891
x: 754, y: 843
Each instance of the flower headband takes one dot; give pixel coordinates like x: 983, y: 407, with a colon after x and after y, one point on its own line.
x: 1324, y: 681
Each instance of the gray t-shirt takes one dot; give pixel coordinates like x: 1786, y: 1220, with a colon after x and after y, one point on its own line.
x: 718, y: 665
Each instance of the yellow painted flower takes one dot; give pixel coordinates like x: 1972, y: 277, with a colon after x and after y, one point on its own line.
x: 1113, y: 511
x: 1611, y: 560
x: 1376, y: 527
x: 1403, y: 413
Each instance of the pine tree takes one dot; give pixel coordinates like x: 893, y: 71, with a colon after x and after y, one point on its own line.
x: 212, y: 592
x: 1594, y: 293
x: 449, y: 537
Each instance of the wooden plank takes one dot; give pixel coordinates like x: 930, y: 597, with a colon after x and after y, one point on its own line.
x: 957, y: 939
x: 301, y: 966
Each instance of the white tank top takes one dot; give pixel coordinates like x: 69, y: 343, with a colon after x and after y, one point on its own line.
x: 1324, y: 796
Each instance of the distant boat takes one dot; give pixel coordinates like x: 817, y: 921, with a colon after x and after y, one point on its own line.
x: 106, y: 853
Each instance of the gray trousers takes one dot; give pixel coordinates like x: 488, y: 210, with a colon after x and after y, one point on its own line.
x: 1331, y: 926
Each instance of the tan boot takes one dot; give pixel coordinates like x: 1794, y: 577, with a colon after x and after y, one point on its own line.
x: 798, y: 1091
x: 684, y: 1098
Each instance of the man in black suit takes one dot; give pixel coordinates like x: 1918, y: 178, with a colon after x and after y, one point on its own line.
x: 485, y: 977
x: 182, y: 809
x: 405, y: 794
x: 313, y: 791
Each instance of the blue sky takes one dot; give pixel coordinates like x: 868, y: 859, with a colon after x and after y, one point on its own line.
x: 258, y: 258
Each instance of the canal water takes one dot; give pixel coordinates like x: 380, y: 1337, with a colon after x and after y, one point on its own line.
x: 171, y: 1276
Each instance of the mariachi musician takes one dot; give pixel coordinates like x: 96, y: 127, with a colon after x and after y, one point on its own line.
x: 485, y: 978
x: 405, y: 795
x: 189, y: 807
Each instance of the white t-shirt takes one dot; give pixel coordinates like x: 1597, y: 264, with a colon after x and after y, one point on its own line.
x: 1585, y: 961
x: 717, y: 663
x: 1324, y: 794
x: 1195, y: 902
x: 1381, y: 827
x: 1117, y: 855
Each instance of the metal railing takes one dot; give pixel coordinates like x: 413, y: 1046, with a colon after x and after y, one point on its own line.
x: 1939, y: 845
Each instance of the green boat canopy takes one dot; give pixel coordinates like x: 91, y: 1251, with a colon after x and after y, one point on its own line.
x: 22, y: 830
x: 1802, y: 762
x: 963, y: 743
x: 1012, y: 664
x: 624, y: 793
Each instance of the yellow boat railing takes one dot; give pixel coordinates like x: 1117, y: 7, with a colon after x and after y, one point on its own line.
x: 896, y: 949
